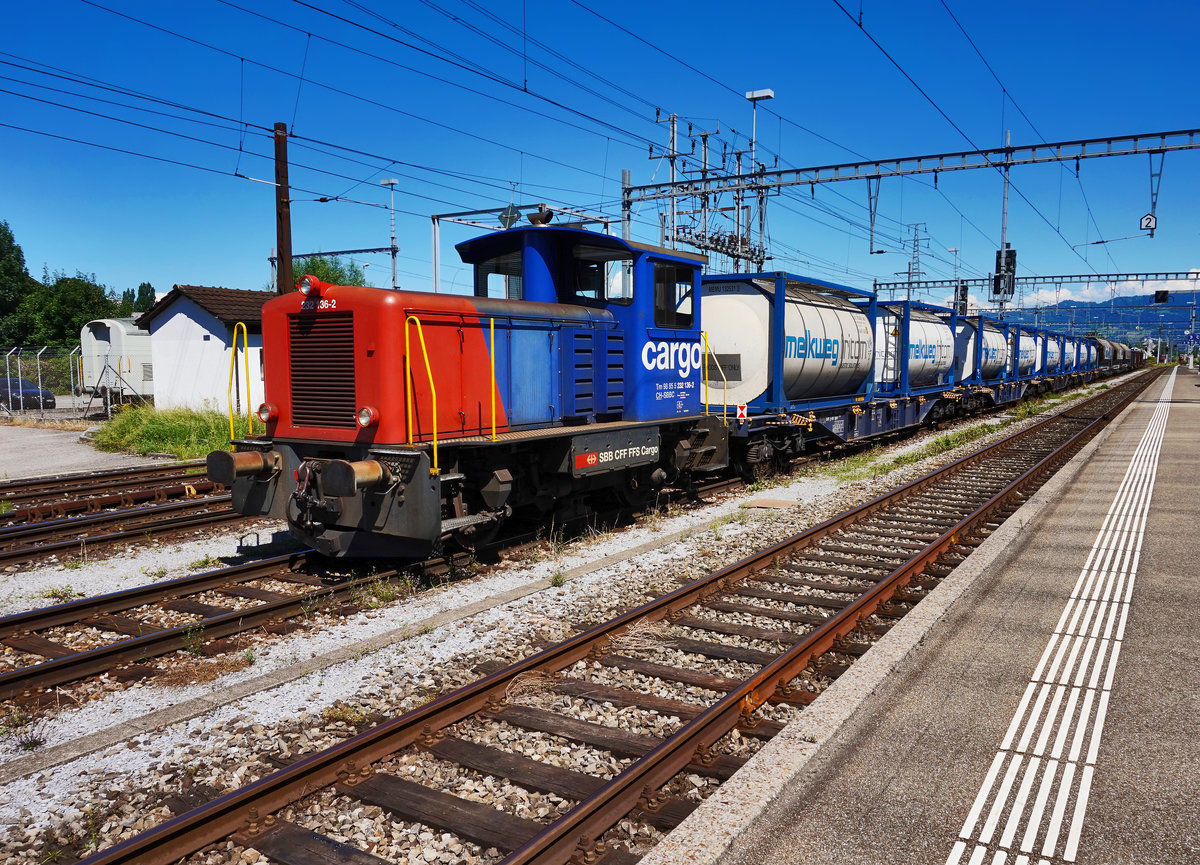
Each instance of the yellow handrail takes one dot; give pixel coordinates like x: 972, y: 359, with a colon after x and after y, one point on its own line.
x: 725, y: 391
x: 492, y: 331
x: 412, y: 319
x: 232, y: 368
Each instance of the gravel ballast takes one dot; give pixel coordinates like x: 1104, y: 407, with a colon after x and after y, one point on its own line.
x: 306, y: 691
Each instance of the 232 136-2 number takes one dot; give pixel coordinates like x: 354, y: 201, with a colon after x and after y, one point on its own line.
x: 323, y: 303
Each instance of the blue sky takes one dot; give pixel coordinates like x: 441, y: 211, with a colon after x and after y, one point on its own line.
x: 472, y: 105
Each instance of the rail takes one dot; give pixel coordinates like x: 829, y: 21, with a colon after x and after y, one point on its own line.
x: 408, y: 390
x: 572, y: 835
x: 232, y: 369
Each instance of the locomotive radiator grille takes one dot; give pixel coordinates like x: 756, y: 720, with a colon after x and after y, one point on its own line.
x: 321, y: 348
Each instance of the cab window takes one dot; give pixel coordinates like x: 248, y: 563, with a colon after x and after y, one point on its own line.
x: 673, y: 293
x: 601, y: 275
x: 500, y: 277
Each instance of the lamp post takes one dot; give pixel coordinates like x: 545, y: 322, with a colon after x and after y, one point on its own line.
x: 390, y: 183
x: 756, y: 96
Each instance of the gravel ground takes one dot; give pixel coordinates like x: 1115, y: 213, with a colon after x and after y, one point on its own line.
x: 391, y: 659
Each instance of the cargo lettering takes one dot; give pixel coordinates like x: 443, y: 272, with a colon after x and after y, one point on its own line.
x: 680, y: 356
x: 811, y: 346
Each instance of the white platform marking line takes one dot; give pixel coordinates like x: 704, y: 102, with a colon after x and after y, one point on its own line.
x: 1032, y: 724
x: 1015, y: 724
x: 1068, y: 721
x: 982, y: 796
x: 1018, y: 808
x: 1039, y: 807
x: 1100, y: 597
x: 1060, y: 807
x: 989, y: 828
x: 1098, y: 728
x: 1082, y: 727
x: 1085, y: 788
x: 1085, y: 662
x: 1076, y: 645
x: 1098, y: 665
x: 1039, y: 747
x: 1037, y: 672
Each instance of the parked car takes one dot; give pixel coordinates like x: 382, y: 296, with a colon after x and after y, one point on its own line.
x: 20, y: 393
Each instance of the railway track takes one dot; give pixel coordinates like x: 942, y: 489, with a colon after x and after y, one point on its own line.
x: 121, y: 632
x: 74, y: 514
x: 34, y: 491
x: 738, y: 652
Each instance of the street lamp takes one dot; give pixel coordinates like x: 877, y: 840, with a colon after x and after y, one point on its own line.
x: 390, y: 183
x: 755, y: 97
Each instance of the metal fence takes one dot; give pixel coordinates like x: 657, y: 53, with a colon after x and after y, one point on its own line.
x: 28, y: 371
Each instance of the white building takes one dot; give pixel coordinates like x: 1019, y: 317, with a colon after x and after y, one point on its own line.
x: 191, y: 340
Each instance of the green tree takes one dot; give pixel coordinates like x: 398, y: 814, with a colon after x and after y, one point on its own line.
x: 331, y: 269
x: 55, y: 313
x: 124, y: 306
x: 15, y: 284
x: 145, y: 297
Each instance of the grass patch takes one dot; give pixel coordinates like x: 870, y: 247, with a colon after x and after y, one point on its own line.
x: 339, y: 711
x: 185, y: 433
x: 60, y: 594
x: 374, y: 593
x: 51, y: 423
x: 26, y: 729
x: 869, y: 465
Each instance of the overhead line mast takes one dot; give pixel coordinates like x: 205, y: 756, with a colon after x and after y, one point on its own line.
x: 760, y: 181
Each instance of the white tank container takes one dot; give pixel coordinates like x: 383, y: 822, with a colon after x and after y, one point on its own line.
x: 929, y: 352
x: 1039, y: 352
x: 1091, y: 355
x: 1026, y: 353
x: 1054, y: 356
x: 826, y: 350
x: 995, y: 351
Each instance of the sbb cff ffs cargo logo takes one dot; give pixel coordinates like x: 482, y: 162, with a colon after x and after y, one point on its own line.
x: 584, y: 461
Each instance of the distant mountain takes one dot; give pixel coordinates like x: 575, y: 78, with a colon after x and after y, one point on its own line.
x: 1130, y: 318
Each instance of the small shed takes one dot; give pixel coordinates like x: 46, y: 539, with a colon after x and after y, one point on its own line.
x: 191, y: 340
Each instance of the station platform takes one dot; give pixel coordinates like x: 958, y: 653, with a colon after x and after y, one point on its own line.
x: 1051, y: 712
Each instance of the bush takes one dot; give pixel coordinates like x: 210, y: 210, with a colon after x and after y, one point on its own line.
x: 185, y: 433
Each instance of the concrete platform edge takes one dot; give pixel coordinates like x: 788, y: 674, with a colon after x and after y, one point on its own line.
x: 708, y: 832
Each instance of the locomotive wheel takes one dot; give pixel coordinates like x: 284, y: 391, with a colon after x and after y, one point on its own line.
x: 635, y: 491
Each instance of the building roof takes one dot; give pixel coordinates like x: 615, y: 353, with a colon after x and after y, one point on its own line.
x: 227, y: 305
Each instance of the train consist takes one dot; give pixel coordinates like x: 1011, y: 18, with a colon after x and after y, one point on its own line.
x: 584, y: 366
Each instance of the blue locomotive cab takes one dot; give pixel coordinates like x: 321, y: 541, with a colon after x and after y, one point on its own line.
x: 650, y: 293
